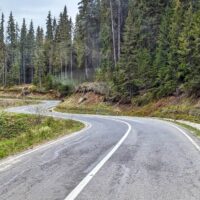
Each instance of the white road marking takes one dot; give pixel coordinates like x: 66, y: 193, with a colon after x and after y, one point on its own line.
x: 74, y: 194
x: 179, y: 129
x: 4, y: 168
x: 187, y: 136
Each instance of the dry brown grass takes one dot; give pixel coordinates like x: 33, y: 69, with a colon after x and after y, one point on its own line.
x: 171, y: 107
x: 34, y: 92
x: 6, y: 103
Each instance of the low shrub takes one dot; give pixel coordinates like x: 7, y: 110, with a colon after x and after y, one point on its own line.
x: 142, y: 100
x: 63, y: 85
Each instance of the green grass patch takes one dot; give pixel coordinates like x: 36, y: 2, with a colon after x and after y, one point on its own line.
x: 190, y: 128
x: 19, y: 132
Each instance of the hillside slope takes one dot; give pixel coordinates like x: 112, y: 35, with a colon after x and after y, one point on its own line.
x: 90, y: 101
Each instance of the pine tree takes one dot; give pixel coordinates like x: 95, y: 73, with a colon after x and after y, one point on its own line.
x: 2, y: 29
x: 192, y: 78
x: 65, y: 40
x: 71, y: 47
x: 113, y: 17
x: 107, y: 62
x: 127, y: 73
x: 49, y: 44
x: 184, y: 51
x: 62, y: 43
x: 15, y: 71
x: 2, y: 51
x: 23, y: 50
x: 49, y: 24
x: 86, y: 38
x: 163, y: 48
x: 175, y: 30
x: 54, y: 28
x: 78, y: 43
x: 39, y: 60
x: 11, y: 50
x: 11, y: 31
x: 31, y: 49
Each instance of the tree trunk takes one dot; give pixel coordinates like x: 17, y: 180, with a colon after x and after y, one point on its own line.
x: 113, y: 34
x: 32, y: 73
x: 61, y: 66
x: 40, y: 77
x: 86, y: 69
x: 119, y: 29
x: 5, y: 70
x: 24, y: 70
x: 71, y: 62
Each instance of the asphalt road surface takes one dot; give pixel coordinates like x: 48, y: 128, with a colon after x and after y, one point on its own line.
x: 113, y: 158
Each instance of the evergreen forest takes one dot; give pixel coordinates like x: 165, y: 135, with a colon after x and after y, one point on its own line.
x: 135, y: 46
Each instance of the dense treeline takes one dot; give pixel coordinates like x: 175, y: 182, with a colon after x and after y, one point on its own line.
x: 160, y: 51
x: 32, y: 56
x: 142, y: 46
x: 138, y: 46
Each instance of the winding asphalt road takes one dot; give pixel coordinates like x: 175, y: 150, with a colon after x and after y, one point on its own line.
x: 113, y: 158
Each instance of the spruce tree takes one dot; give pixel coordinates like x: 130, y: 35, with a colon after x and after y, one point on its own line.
x: 24, y: 52
x: 161, y: 65
x: 106, y: 52
x: 2, y: 51
x: 39, y: 61
x: 86, y: 38
x: 192, y: 78
x: 49, y: 44
x: 126, y: 74
x: 11, y: 49
x: 31, y: 49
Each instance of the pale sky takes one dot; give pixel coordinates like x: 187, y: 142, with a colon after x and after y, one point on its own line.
x: 37, y: 10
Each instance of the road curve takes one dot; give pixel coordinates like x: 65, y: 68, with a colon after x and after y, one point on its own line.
x: 112, y: 158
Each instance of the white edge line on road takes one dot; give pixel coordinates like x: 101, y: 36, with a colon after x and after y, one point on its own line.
x: 78, y: 189
x: 179, y: 129
x: 186, y: 135
x: 12, y: 160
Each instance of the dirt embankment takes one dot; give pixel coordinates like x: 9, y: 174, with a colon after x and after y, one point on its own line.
x: 93, y: 98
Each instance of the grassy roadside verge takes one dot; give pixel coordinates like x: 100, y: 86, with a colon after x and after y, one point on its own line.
x: 191, y: 129
x: 19, y: 132
x: 101, y: 109
x: 7, y: 103
x: 171, y: 107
